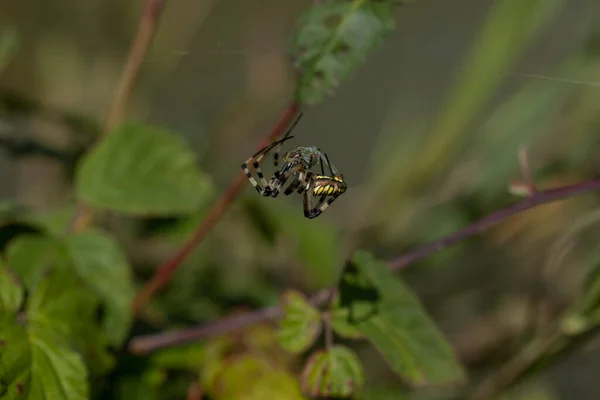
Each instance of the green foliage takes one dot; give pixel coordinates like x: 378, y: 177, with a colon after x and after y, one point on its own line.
x: 390, y: 316
x: 11, y: 293
x: 9, y: 43
x: 333, y: 39
x: 340, y: 322
x: 40, y: 358
x: 301, y: 323
x: 30, y: 255
x: 100, y: 262
x: 336, y: 372
x: 254, y: 378
x: 142, y: 170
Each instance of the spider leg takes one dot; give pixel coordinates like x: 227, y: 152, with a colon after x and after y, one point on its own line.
x: 313, y: 212
x: 293, y: 186
x: 253, y: 181
x: 281, y: 178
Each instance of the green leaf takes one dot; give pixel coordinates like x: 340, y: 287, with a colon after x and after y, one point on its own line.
x: 266, y: 382
x: 9, y: 42
x: 333, y: 39
x: 39, y: 361
x: 11, y: 292
x: 104, y: 268
x: 392, y: 318
x: 30, y: 255
x: 336, y: 372
x: 57, y: 371
x: 300, y: 325
x: 142, y: 170
x: 188, y: 357
x: 14, y: 358
x: 340, y: 322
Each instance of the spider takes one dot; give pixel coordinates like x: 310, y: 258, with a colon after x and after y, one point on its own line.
x: 297, y: 164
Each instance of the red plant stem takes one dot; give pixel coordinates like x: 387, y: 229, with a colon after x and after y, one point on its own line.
x: 163, y: 274
x: 148, y: 343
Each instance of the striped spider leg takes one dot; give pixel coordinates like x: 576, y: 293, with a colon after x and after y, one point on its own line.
x: 255, y: 160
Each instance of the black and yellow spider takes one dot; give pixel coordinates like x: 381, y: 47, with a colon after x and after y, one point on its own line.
x: 319, y: 190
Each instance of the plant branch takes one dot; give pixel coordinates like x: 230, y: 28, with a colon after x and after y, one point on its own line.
x: 145, y: 33
x: 538, y: 198
x: 163, y: 274
x: 148, y: 343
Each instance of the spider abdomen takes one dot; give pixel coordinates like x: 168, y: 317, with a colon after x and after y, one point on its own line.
x: 325, y: 186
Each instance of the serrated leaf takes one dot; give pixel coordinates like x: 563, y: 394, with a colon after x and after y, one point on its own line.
x: 333, y: 39
x: 11, y: 292
x: 142, y: 170
x: 37, y: 361
x: 57, y: 371
x: 391, y: 317
x: 336, y: 372
x: 29, y: 256
x: 301, y: 323
x: 102, y: 265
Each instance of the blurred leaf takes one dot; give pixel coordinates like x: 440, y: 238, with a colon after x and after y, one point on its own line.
x: 9, y: 42
x: 142, y: 170
x: 392, y: 318
x: 301, y: 323
x: 511, y: 25
x: 15, y: 358
x: 57, y: 371
x: 317, y: 241
x: 101, y: 263
x: 29, y: 256
x: 516, y: 122
x: 250, y: 377
x: 333, y: 39
x: 190, y: 357
x: 134, y: 387
x: 64, y: 304
x: 11, y: 292
x: 336, y: 372
x: 340, y: 322
x: 40, y: 359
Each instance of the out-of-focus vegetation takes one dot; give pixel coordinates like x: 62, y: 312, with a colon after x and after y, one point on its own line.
x: 425, y: 107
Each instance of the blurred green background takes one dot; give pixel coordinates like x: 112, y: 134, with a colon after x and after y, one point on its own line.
x: 427, y: 134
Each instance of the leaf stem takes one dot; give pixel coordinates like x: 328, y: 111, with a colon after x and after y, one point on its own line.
x: 163, y: 274
x: 146, y: 30
x: 148, y: 343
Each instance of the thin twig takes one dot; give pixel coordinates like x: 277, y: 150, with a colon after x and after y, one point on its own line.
x: 164, y: 272
x: 145, y: 33
x: 148, y: 343
x: 540, y: 197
